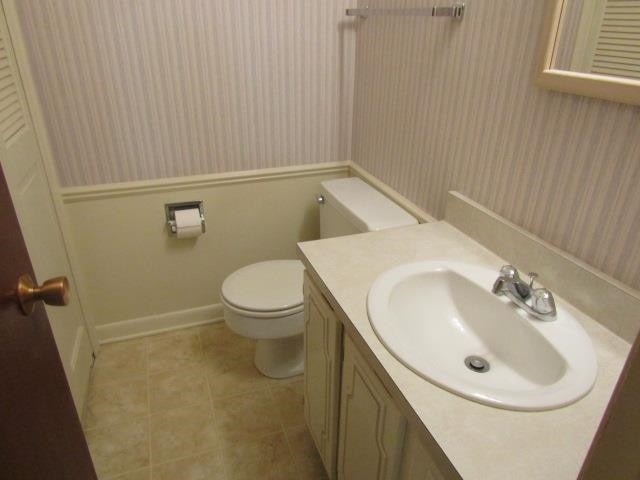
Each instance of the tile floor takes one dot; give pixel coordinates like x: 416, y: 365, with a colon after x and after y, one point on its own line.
x: 190, y: 405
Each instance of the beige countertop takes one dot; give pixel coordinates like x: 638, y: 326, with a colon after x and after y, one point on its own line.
x: 481, y: 442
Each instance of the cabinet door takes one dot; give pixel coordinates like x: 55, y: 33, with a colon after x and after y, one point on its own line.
x: 371, y: 426
x: 422, y: 462
x: 322, y: 346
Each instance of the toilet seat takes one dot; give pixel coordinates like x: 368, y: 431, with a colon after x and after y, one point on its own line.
x: 265, y: 289
x: 259, y: 314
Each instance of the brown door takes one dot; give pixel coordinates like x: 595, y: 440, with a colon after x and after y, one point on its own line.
x: 40, y: 432
x: 615, y: 451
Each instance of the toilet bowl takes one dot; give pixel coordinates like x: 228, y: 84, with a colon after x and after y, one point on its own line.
x: 264, y: 301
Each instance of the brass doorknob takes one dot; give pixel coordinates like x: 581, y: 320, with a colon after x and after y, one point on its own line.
x: 54, y: 291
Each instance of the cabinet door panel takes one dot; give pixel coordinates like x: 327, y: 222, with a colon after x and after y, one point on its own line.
x: 420, y: 462
x: 371, y: 426
x: 322, y: 337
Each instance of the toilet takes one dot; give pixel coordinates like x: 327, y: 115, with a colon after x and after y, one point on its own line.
x: 264, y: 300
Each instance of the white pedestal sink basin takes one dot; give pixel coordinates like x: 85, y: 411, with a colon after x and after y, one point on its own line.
x: 434, y: 316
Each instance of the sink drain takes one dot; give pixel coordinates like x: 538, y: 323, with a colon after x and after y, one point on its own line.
x: 477, y: 364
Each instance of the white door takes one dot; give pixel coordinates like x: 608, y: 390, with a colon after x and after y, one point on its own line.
x: 22, y: 164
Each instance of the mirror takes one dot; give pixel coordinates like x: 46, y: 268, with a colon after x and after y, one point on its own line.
x: 592, y: 47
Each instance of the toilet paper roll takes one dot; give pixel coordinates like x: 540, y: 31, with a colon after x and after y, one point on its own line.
x: 188, y: 223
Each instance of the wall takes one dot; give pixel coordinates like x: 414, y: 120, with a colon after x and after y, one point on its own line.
x: 571, y: 20
x: 138, y: 279
x: 441, y: 106
x: 163, y: 88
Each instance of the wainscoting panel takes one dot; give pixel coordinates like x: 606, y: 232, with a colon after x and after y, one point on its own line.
x: 138, y: 279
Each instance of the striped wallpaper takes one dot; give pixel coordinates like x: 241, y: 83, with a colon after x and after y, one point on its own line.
x: 570, y: 24
x: 144, y: 89
x: 444, y: 106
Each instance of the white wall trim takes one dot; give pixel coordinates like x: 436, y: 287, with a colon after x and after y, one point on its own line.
x: 78, y: 194
x: 77, y: 345
x: 422, y: 216
x: 91, y: 192
x: 163, y: 322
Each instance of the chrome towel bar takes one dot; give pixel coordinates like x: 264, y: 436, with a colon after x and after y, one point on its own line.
x: 455, y: 11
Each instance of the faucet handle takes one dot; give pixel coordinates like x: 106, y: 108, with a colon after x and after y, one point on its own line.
x: 543, y: 302
x: 532, y: 277
x: 510, y: 272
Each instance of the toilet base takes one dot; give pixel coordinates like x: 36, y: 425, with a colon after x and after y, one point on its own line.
x: 280, y: 357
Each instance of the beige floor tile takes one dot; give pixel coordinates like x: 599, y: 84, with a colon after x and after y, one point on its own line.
x: 245, y: 417
x: 289, y: 402
x: 243, y: 378
x: 115, y: 401
x: 279, y: 382
x: 206, y: 466
x: 182, y: 432
x: 307, y: 460
x: 218, y: 335
x: 219, y: 360
x: 119, y: 448
x: 174, y: 350
x: 142, y: 474
x: 177, y: 388
x: 238, y: 436
x: 121, y: 360
x: 223, y: 350
x: 265, y: 458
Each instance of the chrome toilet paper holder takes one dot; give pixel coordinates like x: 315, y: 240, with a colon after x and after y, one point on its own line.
x: 170, y: 212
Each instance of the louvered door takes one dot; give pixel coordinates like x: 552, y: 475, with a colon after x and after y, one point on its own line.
x: 617, y: 50
x: 12, y: 113
x: 21, y: 161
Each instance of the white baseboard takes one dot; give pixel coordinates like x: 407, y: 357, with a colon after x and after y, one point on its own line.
x: 164, y: 322
x: 80, y: 368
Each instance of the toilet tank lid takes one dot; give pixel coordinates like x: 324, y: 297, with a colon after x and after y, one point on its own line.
x: 364, y: 206
x: 265, y: 286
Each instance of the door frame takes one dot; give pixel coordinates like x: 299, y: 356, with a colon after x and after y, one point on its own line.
x: 51, y: 174
x: 41, y: 435
x: 614, y: 449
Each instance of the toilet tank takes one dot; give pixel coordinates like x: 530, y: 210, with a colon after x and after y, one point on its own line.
x: 352, y: 206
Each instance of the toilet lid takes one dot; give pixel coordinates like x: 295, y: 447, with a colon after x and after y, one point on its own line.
x: 265, y: 286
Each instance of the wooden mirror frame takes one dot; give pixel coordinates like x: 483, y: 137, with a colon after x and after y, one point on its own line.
x: 606, y: 87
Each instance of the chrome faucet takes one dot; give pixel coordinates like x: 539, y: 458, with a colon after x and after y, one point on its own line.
x: 538, y: 302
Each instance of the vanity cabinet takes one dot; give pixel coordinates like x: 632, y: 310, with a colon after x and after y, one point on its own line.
x: 419, y: 463
x: 356, y: 424
x: 322, y: 354
x: 371, y: 426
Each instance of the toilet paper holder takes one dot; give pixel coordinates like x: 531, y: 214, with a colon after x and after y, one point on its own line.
x: 170, y: 212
